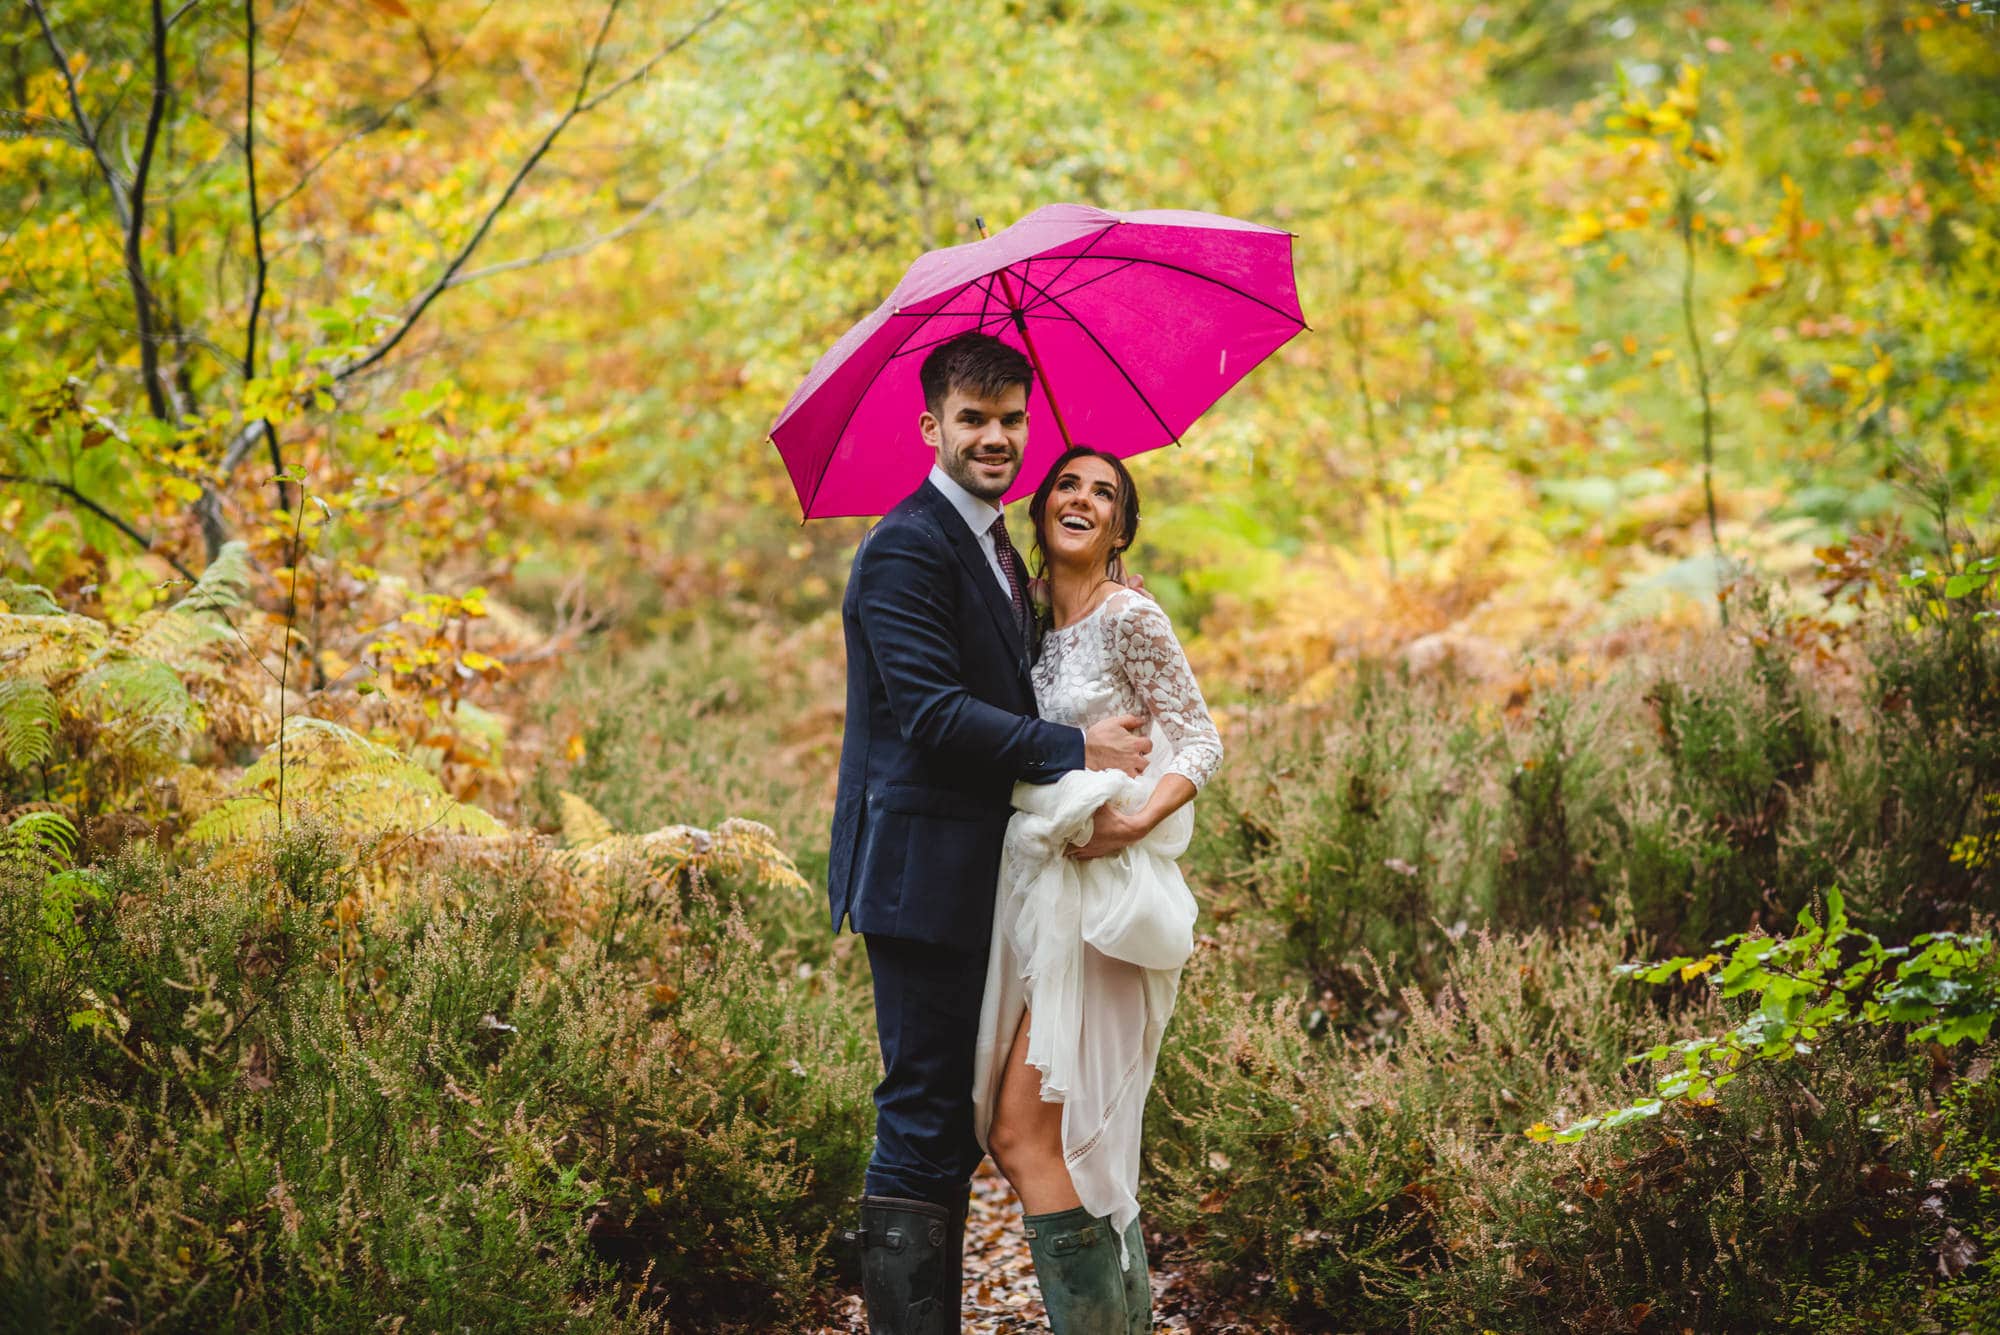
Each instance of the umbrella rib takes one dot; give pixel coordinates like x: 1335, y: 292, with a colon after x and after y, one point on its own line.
x: 1207, y: 278
x: 1095, y: 278
x: 985, y: 300
x: 997, y: 318
x: 1095, y: 237
x: 1087, y: 333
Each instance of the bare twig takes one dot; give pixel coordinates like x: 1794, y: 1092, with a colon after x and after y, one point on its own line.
x: 270, y: 432
x: 135, y: 226
x: 1685, y: 207
x: 378, y: 120
x: 83, y: 125
x: 574, y: 249
x: 58, y: 485
x: 582, y: 102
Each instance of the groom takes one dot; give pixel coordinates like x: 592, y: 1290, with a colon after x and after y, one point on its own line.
x: 940, y: 724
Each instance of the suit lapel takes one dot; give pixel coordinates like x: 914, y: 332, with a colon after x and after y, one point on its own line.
x: 981, y: 570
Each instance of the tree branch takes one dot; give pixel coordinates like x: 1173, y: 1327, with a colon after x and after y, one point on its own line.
x: 380, y: 119
x: 135, y: 225
x: 646, y: 67
x: 57, y: 484
x: 574, y: 249
x: 83, y: 125
x: 579, y: 104
x: 256, y: 232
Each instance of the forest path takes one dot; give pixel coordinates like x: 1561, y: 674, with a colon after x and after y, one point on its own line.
x: 1002, y: 1297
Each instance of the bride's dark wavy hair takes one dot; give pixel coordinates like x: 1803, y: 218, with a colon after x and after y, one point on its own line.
x: 1127, y: 506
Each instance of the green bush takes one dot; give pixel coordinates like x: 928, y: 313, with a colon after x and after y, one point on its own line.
x: 235, y: 1107
x: 1384, y: 1181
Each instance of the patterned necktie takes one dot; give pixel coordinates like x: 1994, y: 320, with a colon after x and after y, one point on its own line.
x: 1010, y: 561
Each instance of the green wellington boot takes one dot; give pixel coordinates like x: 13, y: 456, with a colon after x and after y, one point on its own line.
x: 1076, y: 1261
x: 1138, y: 1285
x: 904, y: 1263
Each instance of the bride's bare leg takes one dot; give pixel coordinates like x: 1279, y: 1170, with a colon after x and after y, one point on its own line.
x: 1026, y: 1135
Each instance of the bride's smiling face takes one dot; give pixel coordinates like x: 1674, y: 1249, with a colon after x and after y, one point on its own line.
x: 1081, y: 527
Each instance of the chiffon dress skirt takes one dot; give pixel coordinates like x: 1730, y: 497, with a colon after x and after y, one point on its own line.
x: 1094, y: 949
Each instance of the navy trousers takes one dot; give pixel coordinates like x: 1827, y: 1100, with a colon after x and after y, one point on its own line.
x: 927, y: 1018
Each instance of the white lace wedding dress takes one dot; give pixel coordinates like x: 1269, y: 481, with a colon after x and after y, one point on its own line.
x: 1095, y: 948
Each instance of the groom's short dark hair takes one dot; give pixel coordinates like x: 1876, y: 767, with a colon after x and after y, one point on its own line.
x: 976, y: 364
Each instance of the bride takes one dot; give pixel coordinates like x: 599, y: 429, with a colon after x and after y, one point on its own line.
x: 1092, y: 921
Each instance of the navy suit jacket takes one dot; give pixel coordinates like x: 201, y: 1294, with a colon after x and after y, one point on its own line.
x: 940, y: 723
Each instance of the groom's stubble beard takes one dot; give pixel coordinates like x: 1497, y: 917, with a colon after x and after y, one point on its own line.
x: 958, y: 467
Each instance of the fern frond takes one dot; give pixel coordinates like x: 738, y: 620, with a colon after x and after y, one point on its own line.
x: 581, y: 823
x: 39, y: 840
x: 180, y: 634
x: 142, y: 698
x: 366, y: 788
x: 30, y: 600
x: 748, y: 847
x: 27, y: 721
x: 224, y: 584
x: 737, y: 848
x: 234, y: 820
x: 47, y: 646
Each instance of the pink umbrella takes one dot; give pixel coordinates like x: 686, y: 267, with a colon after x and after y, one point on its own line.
x: 1135, y: 323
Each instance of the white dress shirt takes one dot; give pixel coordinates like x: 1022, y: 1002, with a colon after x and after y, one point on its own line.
x: 978, y: 516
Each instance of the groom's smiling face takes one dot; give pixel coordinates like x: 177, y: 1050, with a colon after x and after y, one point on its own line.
x: 980, y: 440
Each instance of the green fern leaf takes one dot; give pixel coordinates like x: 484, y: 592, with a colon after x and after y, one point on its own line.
x: 40, y: 840
x: 224, y: 584
x: 144, y: 697
x: 27, y: 722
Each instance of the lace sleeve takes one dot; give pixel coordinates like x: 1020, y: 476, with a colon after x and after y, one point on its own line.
x: 1150, y: 658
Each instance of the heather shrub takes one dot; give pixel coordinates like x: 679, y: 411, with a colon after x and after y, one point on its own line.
x: 1934, y: 730
x: 1361, y: 830
x: 491, y: 1097
x: 1382, y: 1180
x: 1348, y: 1167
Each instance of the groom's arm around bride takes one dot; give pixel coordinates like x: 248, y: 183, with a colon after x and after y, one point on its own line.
x: 940, y: 725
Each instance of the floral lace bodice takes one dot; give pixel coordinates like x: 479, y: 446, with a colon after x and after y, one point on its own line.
x: 1122, y: 658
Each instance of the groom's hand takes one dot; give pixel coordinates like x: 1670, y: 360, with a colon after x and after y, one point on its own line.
x: 1117, y: 743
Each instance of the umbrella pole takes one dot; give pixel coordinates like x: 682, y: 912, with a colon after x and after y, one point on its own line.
x: 1034, y: 358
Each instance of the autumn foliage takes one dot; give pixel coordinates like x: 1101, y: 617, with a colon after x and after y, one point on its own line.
x: 418, y: 697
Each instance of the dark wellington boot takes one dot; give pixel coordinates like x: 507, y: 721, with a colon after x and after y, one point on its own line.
x: 1076, y: 1261
x: 903, y: 1265
x: 951, y: 1288
x: 1138, y: 1286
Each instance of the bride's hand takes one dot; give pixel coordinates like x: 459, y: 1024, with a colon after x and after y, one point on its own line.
x: 1110, y: 831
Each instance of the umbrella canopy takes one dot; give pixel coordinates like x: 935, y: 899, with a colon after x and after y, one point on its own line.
x: 1135, y: 322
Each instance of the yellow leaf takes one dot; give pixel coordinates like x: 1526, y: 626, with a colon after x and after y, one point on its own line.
x: 1690, y: 972
x: 1541, y: 1133
x: 479, y: 662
